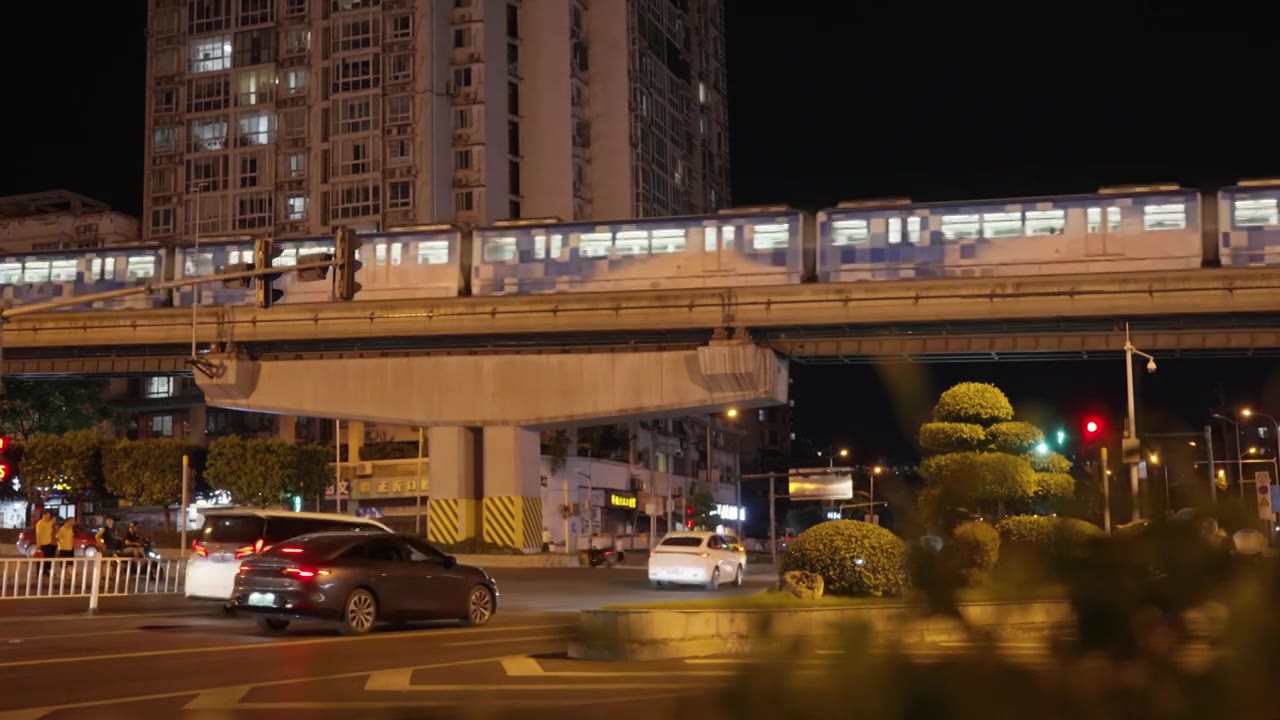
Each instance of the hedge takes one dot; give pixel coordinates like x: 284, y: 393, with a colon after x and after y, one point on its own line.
x: 971, y: 553
x: 854, y: 558
x: 1035, y: 544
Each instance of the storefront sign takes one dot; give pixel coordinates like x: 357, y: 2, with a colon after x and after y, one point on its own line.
x: 731, y: 513
x: 622, y: 500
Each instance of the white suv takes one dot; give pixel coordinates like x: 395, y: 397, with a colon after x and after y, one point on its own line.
x: 230, y: 537
x: 696, y: 558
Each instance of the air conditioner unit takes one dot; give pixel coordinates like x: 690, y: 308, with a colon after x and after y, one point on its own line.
x: 364, y: 469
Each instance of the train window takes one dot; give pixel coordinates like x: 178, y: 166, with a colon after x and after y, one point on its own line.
x: 998, y: 225
x: 141, y: 266
x: 539, y: 247
x: 667, y: 241
x: 287, y: 258
x: 632, y: 242
x: 1165, y: 217
x: 595, y: 244
x: 499, y: 249
x: 1257, y: 211
x: 913, y: 229
x: 960, y: 227
x: 397, y: 253
x: 194, y: 265
x: 1046, y: 222
x: 727, y: 233
x: 771, y: 236
x: 95, y: 269
x: 849, y: 232
x: 10, y: 273
x: 555, y: 246
x: 63, y: 270
x: 380, y: 254
x: 1094, y: 218
x: 894, y: 231
x: 709, y: 239
x: 433, y: 252
x: 35, y: 272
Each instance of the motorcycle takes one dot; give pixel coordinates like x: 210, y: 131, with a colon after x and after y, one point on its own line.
x: 603, y: 557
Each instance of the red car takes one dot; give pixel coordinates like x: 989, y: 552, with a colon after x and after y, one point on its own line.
x: 86, y: 545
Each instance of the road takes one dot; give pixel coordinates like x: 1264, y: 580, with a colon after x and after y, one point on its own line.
x: 163, y: 657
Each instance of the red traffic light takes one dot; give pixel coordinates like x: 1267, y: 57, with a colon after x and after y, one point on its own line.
x: 688, y: 524
x: 688, y: 511
x: 4, y: 444
x: 1091, y: 426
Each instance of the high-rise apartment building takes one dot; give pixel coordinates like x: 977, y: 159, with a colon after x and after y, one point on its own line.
x: 287, y: 117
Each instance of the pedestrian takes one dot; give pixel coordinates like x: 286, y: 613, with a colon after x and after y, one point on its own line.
x: 46, y: 542
x: 546, y: 539
x: 67, y: 538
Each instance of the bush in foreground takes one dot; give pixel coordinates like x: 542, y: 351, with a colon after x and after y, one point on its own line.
x: 854, y: 558
x: 1035, y: 543
x: 971, y: 553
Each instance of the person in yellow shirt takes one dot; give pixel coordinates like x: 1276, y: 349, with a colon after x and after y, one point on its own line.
x: 67, y: 538
x: 45, y: 540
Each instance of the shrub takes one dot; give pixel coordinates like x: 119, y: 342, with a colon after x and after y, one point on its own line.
x: 478, y: 546
x: 1034, y: 544
x: 971, y: 553
x: 970, y: 402
x: 853, y: 558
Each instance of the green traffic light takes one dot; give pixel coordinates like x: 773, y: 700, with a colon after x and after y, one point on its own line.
x: 1062, y: 437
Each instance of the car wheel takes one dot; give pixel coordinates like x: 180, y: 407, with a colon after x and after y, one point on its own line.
x: 90, y: 552
x: 479, y: 607
x: 656, y: 585
x: 715, y: 579
x: 360, y: 613
x: 737, y: 577
x: 267, y: 624
x: 30, y: 552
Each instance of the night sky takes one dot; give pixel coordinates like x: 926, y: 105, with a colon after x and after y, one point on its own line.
x: 828, y: 102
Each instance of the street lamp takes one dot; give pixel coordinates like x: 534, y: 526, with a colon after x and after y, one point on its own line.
x: 1129, y: 352
x: 872, y: 498
x: 831, y: 455
x: 1239, y: 452
x: 1168, y: 500
x: 731, y: 413
x: 1249, y: 413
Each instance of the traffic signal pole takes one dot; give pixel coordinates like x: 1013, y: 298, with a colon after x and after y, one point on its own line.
x: 1106, y: 494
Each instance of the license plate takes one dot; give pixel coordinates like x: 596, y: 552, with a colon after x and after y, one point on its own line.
x: 262, y: 599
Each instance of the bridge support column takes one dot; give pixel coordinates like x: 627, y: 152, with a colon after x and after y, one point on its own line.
x: 513, y: 487
x: 453, y: 511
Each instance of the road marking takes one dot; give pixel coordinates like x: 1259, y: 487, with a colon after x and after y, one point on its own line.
x: 211, y: 696
x: 269, y: 644
x: 494, y: 641
x: 528, y: 667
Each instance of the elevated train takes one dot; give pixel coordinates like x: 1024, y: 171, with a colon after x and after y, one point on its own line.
x: 1127, y: 229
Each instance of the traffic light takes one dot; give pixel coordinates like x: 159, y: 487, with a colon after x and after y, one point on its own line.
x: 5, y: 474
x: 346, y: 252
x: 264, y: 253
x: 1091, y: 428
x: 688, y: 518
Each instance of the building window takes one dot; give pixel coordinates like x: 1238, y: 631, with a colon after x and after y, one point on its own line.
x: 354, y: 157
x: 295, y: 122
x: 400, y: 110
x: 462, y: 159
x: 464, y: 201
x: 513, y: 99
x: 399, y: 195
x: 159, y: 387
x: 295, y: 207
x: 355, y: 199
x: 162, y: 221
x: 164, y: 181
x: 513, y: 178
x: 294, y: 165
x: 399, y: 151
x: 513, y: 138
x: 461, y: 38
x: 356, y: 73
x: 255, y: 87
x: 513, y: 208
x: 256, y: 12
x: 513, y: 59
x: 463, y: 119
x: 164, y: 140
x: 253, y: 211
x: 513, y: 21
x: 356, y: 115
x: 257, y: 128
x: 463, y: 76
x: 211, y: 93
x: 295, y: 81
x: 207, y: 173
x: 251, y: 166
x: 294, y: 8
x: 209, y: 54
x: 162, y: 425
x: 207, y: 135
x: 400, y: 69
x: 297, y: 41
x: 400, y: 27
x: 208, y: 16
x: 165, y: 100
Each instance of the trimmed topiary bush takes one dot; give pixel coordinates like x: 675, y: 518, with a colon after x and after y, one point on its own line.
x: 1033, y: 544
x: 971, y: 552
x: 854, y: 558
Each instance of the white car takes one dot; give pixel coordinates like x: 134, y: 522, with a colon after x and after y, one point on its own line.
x: 696, y: 558
x: 230, y: 537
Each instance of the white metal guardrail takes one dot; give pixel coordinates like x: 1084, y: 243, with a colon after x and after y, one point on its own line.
x: 91, y: 578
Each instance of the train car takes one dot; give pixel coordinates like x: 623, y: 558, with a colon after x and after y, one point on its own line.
x: 27, y: 278
x: 211, y: 258
x: 749, y: 246
x: 1115, y: 230
x: 1249, y: 224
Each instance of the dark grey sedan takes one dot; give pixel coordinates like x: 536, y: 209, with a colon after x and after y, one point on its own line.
x: 359, y: 580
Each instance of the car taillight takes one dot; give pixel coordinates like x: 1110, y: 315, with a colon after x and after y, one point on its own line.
x: 291, y: 550
x: 199, y: 549
x: 248, y: 550
x: 704, y: 555
x: 303, y: 572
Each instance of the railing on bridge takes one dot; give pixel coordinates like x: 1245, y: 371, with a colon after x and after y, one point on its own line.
x: 91, y: 578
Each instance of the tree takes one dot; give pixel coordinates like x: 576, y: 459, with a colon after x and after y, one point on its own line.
x: 68, y: 465
x: 705, y: 513
x: 56, y: 406
x: 145, y: 472
x: 267, y: 473
x: 557, y: 444
x: 980, y: 456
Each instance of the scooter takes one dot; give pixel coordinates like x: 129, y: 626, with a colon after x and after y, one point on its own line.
x: 603, y: 557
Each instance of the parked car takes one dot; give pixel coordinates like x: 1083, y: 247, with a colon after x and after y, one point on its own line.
x: 696, y: 558
x: 358, y: 579
x: 231, y: 536
x: 85, y: 544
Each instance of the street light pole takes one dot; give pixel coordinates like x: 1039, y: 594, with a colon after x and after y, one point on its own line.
x: 1235, y: 426
x: 1129, y: 352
